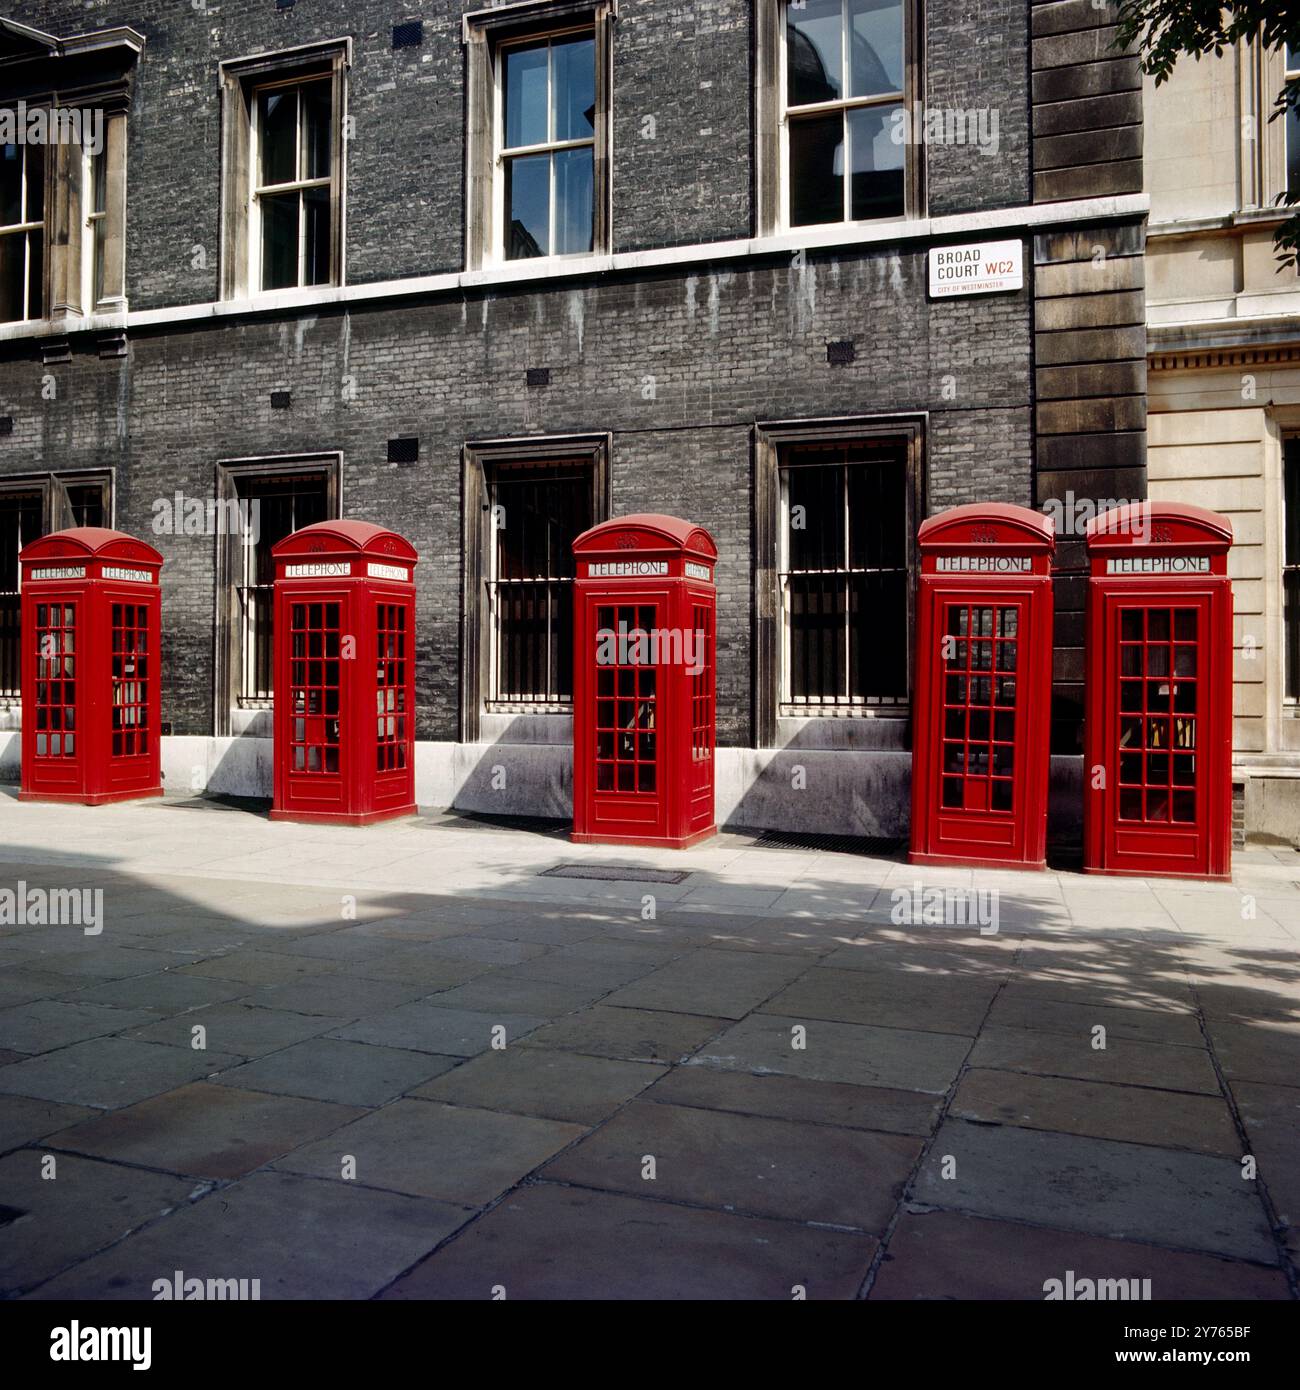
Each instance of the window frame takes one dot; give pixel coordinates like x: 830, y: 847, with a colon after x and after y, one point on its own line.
x: 228, y: 664
x: 25, y: 229
x: 479, y: 459
x: 772, y: 122
x: 487, y: 35
x: 771, y: 683
x: 241, y: 80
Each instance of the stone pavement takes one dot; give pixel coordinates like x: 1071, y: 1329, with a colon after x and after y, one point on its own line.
x: 396, y: 1062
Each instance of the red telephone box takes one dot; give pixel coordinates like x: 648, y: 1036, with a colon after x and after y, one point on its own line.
x: 344, y: 674
x: 980, y: 720
x: 645, y: 611
x: 91, y: 626
x: 1158, y: 718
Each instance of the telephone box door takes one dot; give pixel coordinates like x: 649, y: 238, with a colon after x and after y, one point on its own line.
x: 982, y: 791
x: 58, y: 745
x: 629, y: 715
x: 316, y: 771
x: 1155, y: 721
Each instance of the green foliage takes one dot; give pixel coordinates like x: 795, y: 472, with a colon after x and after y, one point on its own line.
x: 1162, y: 31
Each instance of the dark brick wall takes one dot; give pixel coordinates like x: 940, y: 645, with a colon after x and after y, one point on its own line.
x: 685, y: 63
x: 726, y: 345
x: 977, y: 54
x: 724, y: 348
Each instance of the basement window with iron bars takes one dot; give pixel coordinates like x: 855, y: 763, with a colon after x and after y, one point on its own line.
x: 844, y: 577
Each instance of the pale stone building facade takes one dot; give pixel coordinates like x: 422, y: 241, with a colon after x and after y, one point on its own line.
x: 1224, y: 382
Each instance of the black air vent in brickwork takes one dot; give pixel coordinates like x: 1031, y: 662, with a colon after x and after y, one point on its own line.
x: 404, y: 450
x: 281, y: 400
x: 6, y: 424
x: 841, y: 354
x: 408, y: 35
x: 539, y: 376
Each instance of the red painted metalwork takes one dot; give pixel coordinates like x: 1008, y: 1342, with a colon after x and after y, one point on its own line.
x: 980, y: 718
x: 91, y: 639
x: 1158, y: 725
x: 645, y: 614
x: 344, y: 674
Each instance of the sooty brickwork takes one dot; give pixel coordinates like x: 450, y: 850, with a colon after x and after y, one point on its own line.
x: 977, y: 57
x: 677, y: 367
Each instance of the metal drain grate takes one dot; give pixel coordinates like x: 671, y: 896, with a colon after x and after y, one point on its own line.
x: 878, y: 846
x: 616, y: 873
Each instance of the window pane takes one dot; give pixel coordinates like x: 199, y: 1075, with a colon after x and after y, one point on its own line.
x: 1293, y: 152
x: 316, y: 209
x: 317, y: 127
x: 277, y: 135
x: 878, y: 513
x: 817, y: 170
x: 99, y: 182
x: 12, y: 266
x: 573, y: 88
x: 35, y: 274
x: 813, y: 52
x: 11, y: 181
x: 528, y: 206
x: 816, y: 509
x: 525, y: 97
x: 1291, y: 502
x: 279, y: 241
x: 35, y: 183
x: 877, y: 189
x: 573, y: 200
x: 875, y: 47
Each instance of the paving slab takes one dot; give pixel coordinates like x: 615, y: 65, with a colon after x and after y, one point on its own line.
x: 47, y: 1024
x: 488, y: 950
x: 108, y: 1072
x: 348, y: 1073
x: 419, y: 965
x: 1129, y: 1191
x: 889, y: 1000
x: 252, y: 967
x: 593, y: 964
x: 544, y: 998
x: 718, y: 984
x: 545, y: 1082
x: 239, y: 1029
x: 24, y: 1119
x: 1022, y: 1007
x: 452, y: 1153
x: 299, y: 1237
x: 20, y: 984
x: 617, y: 1247
x: 1138, y: 1114
x: 425, y: 1027
x: 635, y: 1035
x: 342, y: 995
x: 745, y: 1163
x: 796, y: 1098
x: 205, y: 1130
x: 940, y: 1255
x: 898, y: 1058
x: 1271, y: 1115
x: 976, y: 958
x: 84, y: 1207
x: 1266, y: 1052
x: 163, y: 992
x: 1122, y: 1060
x: 93, y: 958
